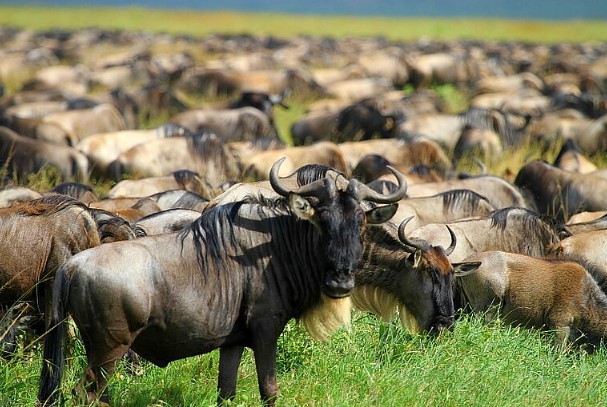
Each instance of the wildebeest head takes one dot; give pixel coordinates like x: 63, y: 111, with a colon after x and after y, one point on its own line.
x: 430, y: 265
x: 338, y: 216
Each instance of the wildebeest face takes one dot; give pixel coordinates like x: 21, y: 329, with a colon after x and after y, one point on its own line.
x: 340, y: 221
x: 434, y: 303
x: 338, y: 216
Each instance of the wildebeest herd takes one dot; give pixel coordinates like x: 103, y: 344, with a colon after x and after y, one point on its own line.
x: 218, y: 229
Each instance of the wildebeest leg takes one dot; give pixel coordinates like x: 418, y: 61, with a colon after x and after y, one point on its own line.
x: 229, y: 360
x: 265, y: 363
x: 102, y: 363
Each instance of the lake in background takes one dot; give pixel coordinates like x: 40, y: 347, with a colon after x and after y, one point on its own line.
x: 511, y: 9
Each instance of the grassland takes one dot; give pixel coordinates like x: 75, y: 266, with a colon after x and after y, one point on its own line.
x: 376, y: 363
x: 203, y: 23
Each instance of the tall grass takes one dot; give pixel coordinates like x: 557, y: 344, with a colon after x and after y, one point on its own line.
x: 375, y: 364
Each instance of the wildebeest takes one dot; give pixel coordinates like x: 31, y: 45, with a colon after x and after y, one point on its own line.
x: 542, y: 293
x: 204, y: 154
x: 571, y: 158
x: 414, y: 278
x: 82, y: 192
x: 499, y: 192
x: 232, y: 279
x: 82, y: 123
x: 23, y: 156
x: 588, y: 247
x: 561, y: 193
x: 183, y: 179
x: 241, y: 124
x: 444, y: 207
x: 515, y: 230
x: 167, y: 221
x: 103, y: 148
x: 50, y: 230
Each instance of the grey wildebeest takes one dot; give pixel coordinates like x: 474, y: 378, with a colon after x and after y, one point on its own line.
x: 444, y: 207
x: 203, y: 153
x: 234, y: 278
x: 515, y: 230
x: 544, y: 293
x: 499, y: 192
x: 241, y: 124
x: 412, y: 277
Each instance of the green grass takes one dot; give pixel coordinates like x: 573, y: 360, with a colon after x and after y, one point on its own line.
x: 375, y: 364
x: 284, y: 25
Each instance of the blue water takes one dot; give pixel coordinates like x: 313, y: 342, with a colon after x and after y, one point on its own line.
x: 514, y: 9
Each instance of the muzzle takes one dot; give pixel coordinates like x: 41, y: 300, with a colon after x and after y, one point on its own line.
x: 339, y: 286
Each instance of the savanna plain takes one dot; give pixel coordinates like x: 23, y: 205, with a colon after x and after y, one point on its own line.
x: 374, y: 363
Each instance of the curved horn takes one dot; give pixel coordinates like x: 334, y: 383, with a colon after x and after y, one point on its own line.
x: 364, y: 192
x: 276, y: 185
x: 403, y: 238
x: 321, y: 188
x: 449, y: 249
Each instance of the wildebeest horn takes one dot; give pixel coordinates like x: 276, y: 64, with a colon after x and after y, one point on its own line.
x: 321, y: 188
x: 364, y: 192
x: 403, y: 238
x: 451, y: 247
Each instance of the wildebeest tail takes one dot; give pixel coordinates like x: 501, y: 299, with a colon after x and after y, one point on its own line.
x: 53, y: 356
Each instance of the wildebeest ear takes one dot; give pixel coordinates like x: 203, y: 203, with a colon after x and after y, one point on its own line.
x: 301, y: 206
x: 417, y: 259
x: 381, y: 214
x: 463, y: 269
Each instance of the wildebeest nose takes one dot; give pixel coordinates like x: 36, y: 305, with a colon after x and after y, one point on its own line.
x: 339, y: 287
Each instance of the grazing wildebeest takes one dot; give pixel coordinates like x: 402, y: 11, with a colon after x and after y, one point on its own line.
x: 23, y: 156
x: 444, y: 207
x: 515, y: 230
x: 598, y: 223
x: 183, y: 179
x: 240, y: 124
x: 409, y: 276
x: 82, y: 192
x: 234, y: 278
x: 545, y: 293
x: 561, y: 193
x: 571, y: 158
x: 103, y: 148
x: 205, y: 154
x: 43, y: 233
x: 16, y: 193
x: 499, y: 192
x: 588, y: 247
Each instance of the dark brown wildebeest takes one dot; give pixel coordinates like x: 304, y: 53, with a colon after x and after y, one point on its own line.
x: 544, y: 293
x: 561, y: 193
x: 234, y: 278
x: 411, y: 277
x: 50, y: 230
x: 23, y: 156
